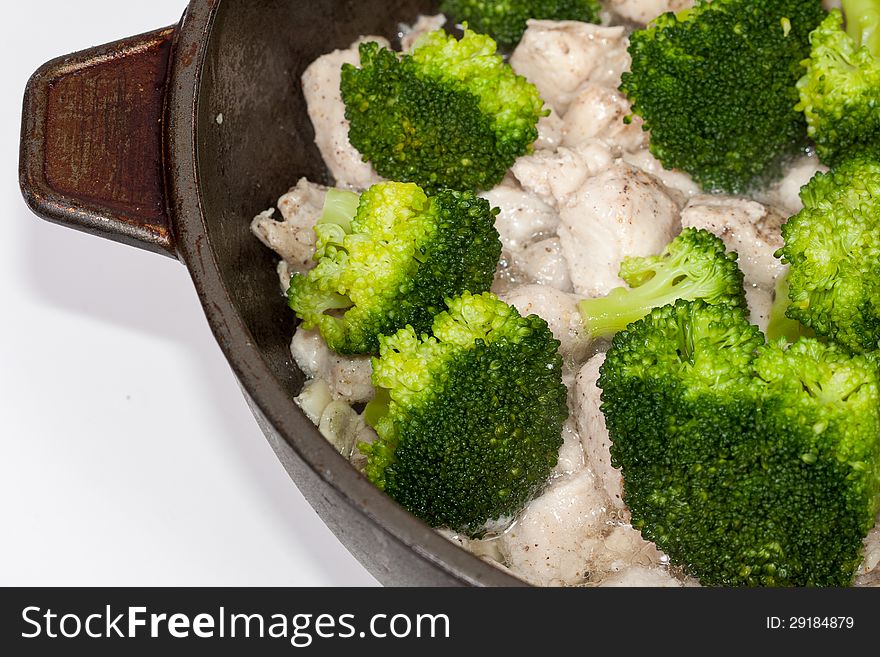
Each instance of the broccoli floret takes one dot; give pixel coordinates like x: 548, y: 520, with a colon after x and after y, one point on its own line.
x: 840, y: 92
x: 833, y: 248
x: 389, y: 258
x: 452, y: 114
x: 716, y: 86
x: 695, y: 265
x: 505, y: 20
x: 470, y: 418
x: 749, y: 464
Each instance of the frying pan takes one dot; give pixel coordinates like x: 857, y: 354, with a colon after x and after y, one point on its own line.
x: 172, y: 141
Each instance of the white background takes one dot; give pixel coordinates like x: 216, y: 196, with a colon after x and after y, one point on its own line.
x: 129, y: 456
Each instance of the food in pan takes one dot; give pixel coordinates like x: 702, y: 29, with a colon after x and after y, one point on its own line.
x: 699, y: 403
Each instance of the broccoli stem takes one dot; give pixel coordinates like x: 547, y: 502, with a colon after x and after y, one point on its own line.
x: 779, y: 324
x: 605, y: 316
x: 340, y: 207
x: 862, y: 21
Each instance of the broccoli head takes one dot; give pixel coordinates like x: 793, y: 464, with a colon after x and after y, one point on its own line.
x: 749, y: 464
x: 716, y: 86
x: 833, y: 249
x: 388, y: 259
x: 451, y: 114
x: 840, y: 92
x: 694, y: 265
x: 470, y: 418
x: 505, y: 20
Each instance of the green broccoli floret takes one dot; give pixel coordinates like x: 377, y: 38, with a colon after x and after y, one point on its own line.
x: 716, y: 86
x: 389, y: 258
x: 833, y: 248
x: 840, y: 92
x: 695, y: 265
x: 452, y: 114
x: 470, y: 418
x: 505, y: 20
x: 749, y: 464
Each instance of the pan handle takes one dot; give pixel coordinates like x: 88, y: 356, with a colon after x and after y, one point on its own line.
x: 91, y: 141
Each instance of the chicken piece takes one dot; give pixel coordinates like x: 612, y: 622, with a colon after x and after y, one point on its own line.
x: 621, y: 548
x: 544, y: 264
x: 560, y: 56
x: 524, y: 217
x: 745, y: 226
x: 644, y: 11
x: 424, y: 24
x: 549, y: 132
x: 559, y: 310
x: 571, y: 453
x: 597, y: 112
x: 348, y: 377
x: 868, y: 573
x: 760, y: 302
x: 620, y: 212
x: 338, y: 422
x: 642, y: 576
x: 320, y: 85
x: 785, y: 193
x: 674, y: 179
x: 554, y: 176
x: 293, y: 238
x: 828, y: 5
x: 593, y: 433
x: 551, y: 540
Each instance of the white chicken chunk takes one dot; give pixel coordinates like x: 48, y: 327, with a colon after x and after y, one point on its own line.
x: 320, y: 85
x: 348, y: 377
x: 642, y: 576
x: 524, y: 217
x: 338, y: 422
x: 554, y: 176
x: 559, y: 310
x: 549, y: 132
x: 868, y: 572
x: 597, y: 112
x: 620, y: 212
x: 674, y: 179
x: 560, y: 56
x: 550, y: 542
x: 293, y: 238
x: 745, y: 226
x: 592, y: 430
x: 544, y: 264
x: 644, y: 11
x: 423, y: 25
x: 571, y: 453
x: 760, y: 302
x: 785, y: 193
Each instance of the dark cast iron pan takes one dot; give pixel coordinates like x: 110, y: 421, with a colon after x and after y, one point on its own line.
x: 124, y: 141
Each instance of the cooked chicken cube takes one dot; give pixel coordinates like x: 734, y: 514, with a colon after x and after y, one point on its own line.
x: 559, y: 310
x: 293, y: 238
x: 348, y: 377
x: 620, y: 212
x: 544, y: 264
x: 524, y: 217
x: 560, y: 56
x: 592, y: 430
x: 644, y: 11
x: 597, y: 112
x: 320, y: 85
